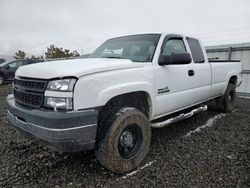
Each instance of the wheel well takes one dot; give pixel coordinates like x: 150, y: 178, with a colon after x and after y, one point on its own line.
x: 139, y: 100
x: 233, y: 80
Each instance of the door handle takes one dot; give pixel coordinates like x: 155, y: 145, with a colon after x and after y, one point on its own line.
x: 190, y: 72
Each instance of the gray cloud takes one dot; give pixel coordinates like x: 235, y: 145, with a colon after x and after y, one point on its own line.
x: 84, y: 24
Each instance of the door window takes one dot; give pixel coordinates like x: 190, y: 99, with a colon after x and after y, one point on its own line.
x: 173, y: 46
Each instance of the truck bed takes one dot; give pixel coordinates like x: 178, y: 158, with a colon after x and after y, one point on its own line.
x: 222, y: 70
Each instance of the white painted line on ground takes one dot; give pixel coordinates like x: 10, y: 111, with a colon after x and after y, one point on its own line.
x: 138, y: 170
x: 209, y: 123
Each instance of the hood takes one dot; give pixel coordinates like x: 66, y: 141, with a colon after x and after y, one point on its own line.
x: 76, y: 67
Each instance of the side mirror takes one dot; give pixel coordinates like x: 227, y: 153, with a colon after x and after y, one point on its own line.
x: 175, y: 59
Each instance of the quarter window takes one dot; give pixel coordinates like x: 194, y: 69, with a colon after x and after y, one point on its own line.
x: 196, y: 50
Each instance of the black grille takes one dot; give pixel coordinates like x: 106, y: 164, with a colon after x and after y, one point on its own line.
x: 28, y: 99
x: 29, y: 92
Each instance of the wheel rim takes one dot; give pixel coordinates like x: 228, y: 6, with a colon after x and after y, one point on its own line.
x: 1, y: 80
x: 130, y: 141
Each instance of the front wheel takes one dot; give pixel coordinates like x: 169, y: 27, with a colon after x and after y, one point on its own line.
x: 124, y: 140
x: 226, y: 103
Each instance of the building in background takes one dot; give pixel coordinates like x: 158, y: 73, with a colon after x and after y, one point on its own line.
x: 235, y: 52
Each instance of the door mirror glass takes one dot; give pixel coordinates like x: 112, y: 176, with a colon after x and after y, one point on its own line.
x: 175, y: 59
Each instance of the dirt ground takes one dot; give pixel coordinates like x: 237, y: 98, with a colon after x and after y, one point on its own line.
x: 181, y: 155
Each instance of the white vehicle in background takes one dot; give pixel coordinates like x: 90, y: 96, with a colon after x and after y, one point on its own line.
x: 110, y: 101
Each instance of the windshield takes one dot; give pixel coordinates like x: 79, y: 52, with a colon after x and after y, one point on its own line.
x: 138, y: 48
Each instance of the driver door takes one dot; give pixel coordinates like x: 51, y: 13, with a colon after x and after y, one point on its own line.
x: 173, y: 81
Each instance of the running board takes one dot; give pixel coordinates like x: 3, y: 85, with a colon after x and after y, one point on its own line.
x: 179, y: 117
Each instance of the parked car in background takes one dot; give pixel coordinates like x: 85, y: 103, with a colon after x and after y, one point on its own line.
x: 8, y: 69
x: 5, y: 58
x: 2, y: 60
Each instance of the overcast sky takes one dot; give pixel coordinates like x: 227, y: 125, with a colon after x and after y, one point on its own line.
x: 32, y: 25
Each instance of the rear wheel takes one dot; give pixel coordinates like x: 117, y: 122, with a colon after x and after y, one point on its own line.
x: 226, y: 103
x: 124, y: 140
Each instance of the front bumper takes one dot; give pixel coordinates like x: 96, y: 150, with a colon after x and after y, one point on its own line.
x: 61, y: 131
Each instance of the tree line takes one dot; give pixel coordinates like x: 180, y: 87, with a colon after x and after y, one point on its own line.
x: 51, y: 53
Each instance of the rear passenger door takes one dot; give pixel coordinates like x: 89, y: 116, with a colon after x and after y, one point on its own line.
x: 201, y: 78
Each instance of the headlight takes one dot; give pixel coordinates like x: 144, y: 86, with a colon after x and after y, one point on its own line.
x: 61, y: 85
x: 58, y: 103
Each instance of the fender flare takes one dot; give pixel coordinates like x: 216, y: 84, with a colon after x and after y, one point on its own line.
x: 230, y: 75
x: 113, y: 91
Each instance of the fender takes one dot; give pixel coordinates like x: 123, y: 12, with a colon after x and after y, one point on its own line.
x: 113, y: 91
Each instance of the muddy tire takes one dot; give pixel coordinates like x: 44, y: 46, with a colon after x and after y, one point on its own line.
x: 226, y: 103
x: 123, y: 140
x: 1, y: 80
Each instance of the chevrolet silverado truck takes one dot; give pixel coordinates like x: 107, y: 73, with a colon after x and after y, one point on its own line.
x: 110, y: 101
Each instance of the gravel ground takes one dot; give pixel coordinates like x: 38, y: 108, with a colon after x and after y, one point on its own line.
x: 217, y: 156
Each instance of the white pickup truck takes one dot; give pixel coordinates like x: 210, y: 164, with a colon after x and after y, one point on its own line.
x: 110, y: 101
